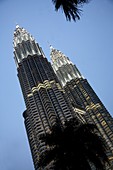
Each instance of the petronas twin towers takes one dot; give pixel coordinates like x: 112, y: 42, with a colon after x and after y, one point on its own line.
x: 53, y: 91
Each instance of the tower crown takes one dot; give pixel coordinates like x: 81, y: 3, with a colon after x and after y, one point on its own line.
x: 24, y: 45
x: 58, y: 58
x: 20, y: 34
x: 63, y: 67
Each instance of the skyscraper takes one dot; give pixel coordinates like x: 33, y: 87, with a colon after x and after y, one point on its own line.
x: 44, y: 98
x: 81, y: 94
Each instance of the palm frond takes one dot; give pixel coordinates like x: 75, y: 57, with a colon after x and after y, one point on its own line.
x: 76, y: 146
x: 71, y: 8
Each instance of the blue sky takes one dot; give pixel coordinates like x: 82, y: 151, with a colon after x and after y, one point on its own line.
x: 88, y: 43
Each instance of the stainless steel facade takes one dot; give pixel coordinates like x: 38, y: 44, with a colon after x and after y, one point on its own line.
x: 44, y: 98
x: 49, y: 95
x: 81, y: 94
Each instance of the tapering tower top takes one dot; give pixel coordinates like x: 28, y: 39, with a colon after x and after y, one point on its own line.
x: 63, y: 67
x: 20, y: 34
x: 58, y: 56
x: 24, y: 45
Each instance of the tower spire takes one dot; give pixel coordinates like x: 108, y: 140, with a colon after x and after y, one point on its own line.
x: 17, y: 26
x: 51, y: 47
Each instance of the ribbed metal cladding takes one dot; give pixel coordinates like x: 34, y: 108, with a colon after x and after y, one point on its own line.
x: 44, y: 98
x: 96, y: 111
x: 81, y: 95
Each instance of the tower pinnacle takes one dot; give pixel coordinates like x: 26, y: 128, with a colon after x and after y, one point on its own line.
x: 17, y: 26
x: 51, y: 47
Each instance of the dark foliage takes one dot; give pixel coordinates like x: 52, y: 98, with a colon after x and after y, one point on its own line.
x: 71, y: 8
x: 74, y: 147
